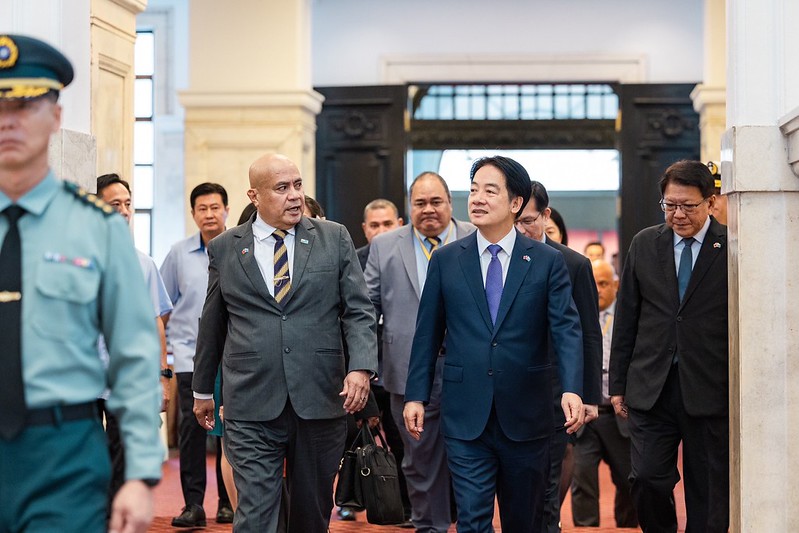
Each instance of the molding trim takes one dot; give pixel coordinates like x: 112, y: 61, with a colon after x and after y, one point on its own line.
x: 134, y: 6
x: 513, y: 68
x: 308, y: 100
x: 789, y: 126
x: 708, y: 95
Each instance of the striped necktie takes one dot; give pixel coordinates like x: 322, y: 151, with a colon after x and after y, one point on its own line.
x: 281, y: 260
x: 434, y: 242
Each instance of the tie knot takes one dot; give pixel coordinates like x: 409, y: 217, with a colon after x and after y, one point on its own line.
x: 434, y: 242
x: 13, y: 213
x: 494, y: 249
x: 280, y: 234
x: 688, y: 241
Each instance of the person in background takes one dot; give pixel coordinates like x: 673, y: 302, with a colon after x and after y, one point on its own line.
x: 719, y: 210
x: 381, y: 216
x: 396, y: 270
x: 313, y: 209
x: 669, y: 360
x: 185, y: 273
x: 556, y: 227
x: 594, y: 251
x: 115, y: 191
x: 608, y: 437
x: 80, y: 279
x: 532, y: 223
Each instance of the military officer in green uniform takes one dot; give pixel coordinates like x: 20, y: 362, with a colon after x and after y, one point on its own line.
x: 68, y: 272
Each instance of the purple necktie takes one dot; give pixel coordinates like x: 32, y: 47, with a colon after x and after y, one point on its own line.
x: 494, y: 282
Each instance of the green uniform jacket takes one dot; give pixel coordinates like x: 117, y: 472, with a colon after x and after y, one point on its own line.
x: 80, y: 278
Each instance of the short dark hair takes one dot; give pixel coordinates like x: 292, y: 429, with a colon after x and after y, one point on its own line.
x: 208, y: 188
x: 558, y: 220
x: 689, y: 173
x: 539, y: 195
x: 314, y: 207
x: 106, y: 180
x: 426, y: 174
x: 246, y: 213
x: 595, y: 243
x: 517, y: 180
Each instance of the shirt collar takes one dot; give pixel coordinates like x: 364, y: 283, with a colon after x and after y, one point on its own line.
x: 506, y: 242
x: 611, y: 309
x: 35, y: 201
x: 261, y: 230
x: 700, y: 235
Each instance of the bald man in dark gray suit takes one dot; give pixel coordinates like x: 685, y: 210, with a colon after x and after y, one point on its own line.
x: 284, y: 291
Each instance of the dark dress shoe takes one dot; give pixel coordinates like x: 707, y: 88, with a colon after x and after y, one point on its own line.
x: 192, y: 516
x: 224, y: 515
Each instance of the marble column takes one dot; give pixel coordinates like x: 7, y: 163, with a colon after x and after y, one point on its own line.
x: 709, y: 97
x: 762, y: 89
x: 249, y: 93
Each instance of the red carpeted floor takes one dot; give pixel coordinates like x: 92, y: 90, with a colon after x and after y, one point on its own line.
x: 169, y: 502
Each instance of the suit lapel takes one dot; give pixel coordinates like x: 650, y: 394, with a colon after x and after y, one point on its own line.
x: 520, y: 263
x: 712, y: 247
x: 305, y: 234
x: 664, y: 243
x: 470, y: 265
x: 407, y: 243
x: 245, y: 251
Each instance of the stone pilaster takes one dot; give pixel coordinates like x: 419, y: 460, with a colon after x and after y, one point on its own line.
x: 249, y: 93
x: 763, y: 228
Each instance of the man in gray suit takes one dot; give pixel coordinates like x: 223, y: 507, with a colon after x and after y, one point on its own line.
x: 395, y: 274
x: 284, y: 291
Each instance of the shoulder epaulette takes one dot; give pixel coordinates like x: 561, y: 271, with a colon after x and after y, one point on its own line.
x: 88, y: 198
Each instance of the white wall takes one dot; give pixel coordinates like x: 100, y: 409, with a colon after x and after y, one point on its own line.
x: 65, y: 25
x: 352, y: 37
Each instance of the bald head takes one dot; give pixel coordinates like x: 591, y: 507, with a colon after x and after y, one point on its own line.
x: 276, y: 190
x: 267, y: 164
x: 607, y: 283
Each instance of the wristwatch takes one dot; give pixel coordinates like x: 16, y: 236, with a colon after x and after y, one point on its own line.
x: 167, y: 373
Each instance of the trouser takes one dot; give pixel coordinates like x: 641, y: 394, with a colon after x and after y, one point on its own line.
x: 425, y: 463
x: 256, y: 451
x: 191, y: 443
x: 516, y: 471
x: 55, y: 478
x: 655, y: 436
x: 602, y: 440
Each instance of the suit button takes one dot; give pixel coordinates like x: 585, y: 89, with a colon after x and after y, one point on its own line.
x: 287, y: 350
x: 679, y: 319
x: 490, y: 372
x: 284, y: 317
x: 494, y: 344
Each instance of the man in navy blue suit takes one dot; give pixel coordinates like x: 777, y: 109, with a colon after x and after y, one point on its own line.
x: 496, y: 296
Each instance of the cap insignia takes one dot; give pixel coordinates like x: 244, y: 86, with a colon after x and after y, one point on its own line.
x: 8, y: 52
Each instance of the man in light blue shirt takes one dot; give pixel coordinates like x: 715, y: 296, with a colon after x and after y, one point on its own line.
x: 185, y: 273
x: 115, y: 191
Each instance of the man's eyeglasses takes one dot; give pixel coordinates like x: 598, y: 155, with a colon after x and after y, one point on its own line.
x: 687, y: 209
x: 528, y: 221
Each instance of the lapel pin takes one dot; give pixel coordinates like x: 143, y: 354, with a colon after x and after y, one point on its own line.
x: 244, y: 251
x: 526, y: 258
x: 304, y: 241
x: 716, y: 245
